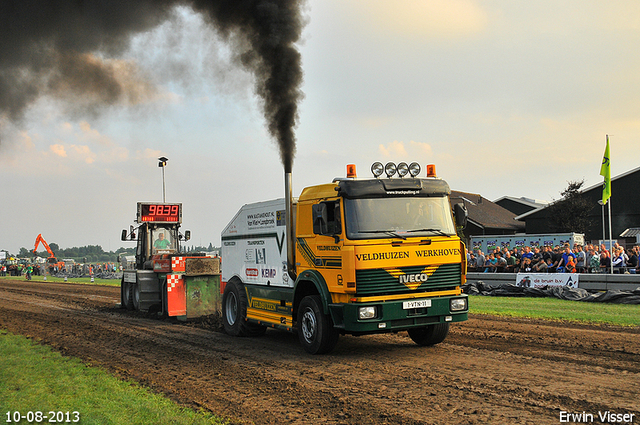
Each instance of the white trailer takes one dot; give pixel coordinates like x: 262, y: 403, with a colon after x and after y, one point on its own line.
x: 254, y: 247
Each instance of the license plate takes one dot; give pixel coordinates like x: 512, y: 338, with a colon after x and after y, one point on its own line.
x: 407, y: 305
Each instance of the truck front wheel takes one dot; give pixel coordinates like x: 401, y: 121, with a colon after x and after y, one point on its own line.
x: 315, y: 329
x: 429, y: 335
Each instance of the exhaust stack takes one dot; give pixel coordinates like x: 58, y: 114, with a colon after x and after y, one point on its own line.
x: 290, y: 227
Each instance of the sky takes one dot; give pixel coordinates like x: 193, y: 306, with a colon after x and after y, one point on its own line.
x: 505, y: 98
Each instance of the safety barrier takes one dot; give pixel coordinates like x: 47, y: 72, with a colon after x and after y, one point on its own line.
x: 588, y: 281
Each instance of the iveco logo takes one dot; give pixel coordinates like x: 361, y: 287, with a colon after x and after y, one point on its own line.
x: 413, y: 278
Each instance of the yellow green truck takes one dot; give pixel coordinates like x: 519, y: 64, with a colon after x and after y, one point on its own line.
x: 354, y: 256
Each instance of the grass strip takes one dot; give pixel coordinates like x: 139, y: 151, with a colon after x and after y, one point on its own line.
x: 556, y: 309
x: 34, y: 378
x: 83, y: 280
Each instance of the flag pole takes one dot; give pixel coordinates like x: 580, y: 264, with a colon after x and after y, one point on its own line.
x: 605, y: 171
x: 610, y: 236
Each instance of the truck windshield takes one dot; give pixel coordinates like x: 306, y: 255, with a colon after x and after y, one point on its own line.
x: 400, y: 217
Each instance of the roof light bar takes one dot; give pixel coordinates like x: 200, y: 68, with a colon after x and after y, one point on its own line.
x: 390, y: 169
x: 377, y: 169
x: 414, y: 169
x: 403, y: 169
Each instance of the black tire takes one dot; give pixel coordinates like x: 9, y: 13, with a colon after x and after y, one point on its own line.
x: 429, y: 335
x: 126, y: 300
x: 135, y: 295
x: 315, y: 329
x: 165, y: 302
x: 234, y: 312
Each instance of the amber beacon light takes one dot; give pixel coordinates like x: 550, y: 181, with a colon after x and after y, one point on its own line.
x: 351, y: 171
x: 431, y: 170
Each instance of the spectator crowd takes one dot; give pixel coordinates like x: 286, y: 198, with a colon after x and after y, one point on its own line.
x: 547, y: 259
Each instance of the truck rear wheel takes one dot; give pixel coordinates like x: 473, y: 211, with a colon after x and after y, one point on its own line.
x: 315, y: 329
x: 234, y: 312
x: 429, y: 335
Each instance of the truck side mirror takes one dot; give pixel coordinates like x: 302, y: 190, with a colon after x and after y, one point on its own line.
x: 319, y: 218
x: 460, y: 211
x: 124, y: 235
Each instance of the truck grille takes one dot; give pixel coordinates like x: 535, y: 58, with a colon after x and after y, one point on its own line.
x: 387, y: 282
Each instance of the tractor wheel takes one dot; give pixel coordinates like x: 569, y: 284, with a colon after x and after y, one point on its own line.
x: 165, y: 302
x: 126, y: 295
x: 135, y: 294
x: 429, y: 335
x: 315, y: 329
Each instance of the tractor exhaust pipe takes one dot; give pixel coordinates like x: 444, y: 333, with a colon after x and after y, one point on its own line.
x: 290, y: 227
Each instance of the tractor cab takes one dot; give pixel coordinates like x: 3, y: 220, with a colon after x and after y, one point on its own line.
x: 156, y: 241
x: 158, y: 235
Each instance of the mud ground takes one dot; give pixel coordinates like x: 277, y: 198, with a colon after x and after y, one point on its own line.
x: 490, y: 370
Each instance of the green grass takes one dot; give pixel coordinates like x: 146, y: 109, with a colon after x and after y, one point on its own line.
x: 556, y: 309
x: 36, y: 378
x: 84, y: 280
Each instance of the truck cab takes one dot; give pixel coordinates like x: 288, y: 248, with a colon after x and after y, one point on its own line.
x: 388, y: 252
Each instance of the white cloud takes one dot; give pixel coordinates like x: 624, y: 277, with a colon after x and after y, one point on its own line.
x: 413, y: 151
x: 432, y: 19
x: 148, y: 154
x: 83, y: 153
x: 394, y: 149
x: 58, y: 150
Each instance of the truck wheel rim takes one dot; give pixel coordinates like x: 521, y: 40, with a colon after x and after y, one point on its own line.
x: 309, y: 325
x: 231, y: 309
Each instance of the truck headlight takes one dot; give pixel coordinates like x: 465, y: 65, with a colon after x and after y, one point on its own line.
x: 367, y: 313
x: 458, y: 304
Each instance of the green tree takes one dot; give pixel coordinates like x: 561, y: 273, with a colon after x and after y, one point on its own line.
x: 571, y: 212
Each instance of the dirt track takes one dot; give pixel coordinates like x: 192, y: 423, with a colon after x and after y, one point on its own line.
x: 489, y: 370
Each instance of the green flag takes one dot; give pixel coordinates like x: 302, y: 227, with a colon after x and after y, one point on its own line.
x: 605, y: 171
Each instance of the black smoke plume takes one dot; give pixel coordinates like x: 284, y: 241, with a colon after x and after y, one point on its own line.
x: 54, y: 48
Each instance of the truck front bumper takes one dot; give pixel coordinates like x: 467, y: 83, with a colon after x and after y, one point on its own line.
x: 394, y: 316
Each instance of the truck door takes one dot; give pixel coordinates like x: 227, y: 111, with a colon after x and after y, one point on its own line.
x: 325, y: 249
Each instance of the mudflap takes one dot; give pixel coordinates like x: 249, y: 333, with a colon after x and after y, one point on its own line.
x: 176, y: 295
x: 202, y: 295
x: 189, y: 297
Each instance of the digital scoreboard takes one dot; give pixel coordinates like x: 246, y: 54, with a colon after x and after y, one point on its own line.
x: 149, y: 212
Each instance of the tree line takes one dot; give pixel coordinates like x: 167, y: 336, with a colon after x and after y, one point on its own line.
x: 95, y: 253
